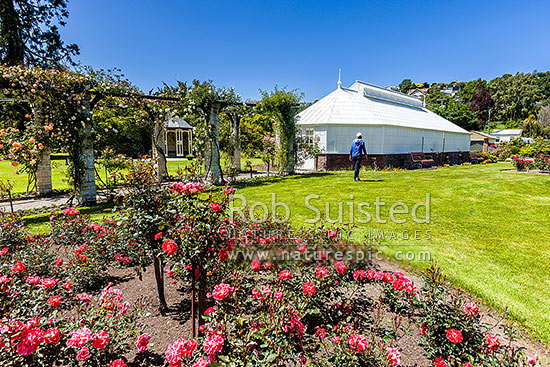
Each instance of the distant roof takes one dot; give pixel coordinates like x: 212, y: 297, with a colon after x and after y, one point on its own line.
x: 484, y: 134
x: 367, y: 104
x: 507, y: 132
x: 177, y: 124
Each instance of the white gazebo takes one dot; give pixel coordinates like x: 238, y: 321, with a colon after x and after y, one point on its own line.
x: 178, y: 139
x: 393, y: 125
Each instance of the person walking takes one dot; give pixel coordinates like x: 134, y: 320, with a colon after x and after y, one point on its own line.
x: 356, y: 153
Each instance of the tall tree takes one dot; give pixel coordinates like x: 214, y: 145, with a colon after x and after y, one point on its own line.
x: 482, y: 102
x: 469, y: 88
x: 29, y: 32
x: 516, y: 95
x: 405, y: 85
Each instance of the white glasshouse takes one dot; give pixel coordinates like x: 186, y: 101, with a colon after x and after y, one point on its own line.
x: 391, y: 123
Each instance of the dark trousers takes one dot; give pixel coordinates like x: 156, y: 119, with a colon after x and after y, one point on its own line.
x: 357, y: 163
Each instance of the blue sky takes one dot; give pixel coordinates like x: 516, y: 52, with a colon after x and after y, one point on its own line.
x: 301, y: 44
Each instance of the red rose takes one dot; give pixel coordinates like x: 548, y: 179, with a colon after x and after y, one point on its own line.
x: 308, y: 288
x: 285, y: 274
x: 440, y: 362
x: 158, y: 236
x: 454, y: 336
x: 19, y: 267
x: 118, y: 363
x: 101, y: 339
x: 59, y: 261
x: 48, y: 283
x: 84, y: 354
x: 54, y: 301
x: 142, y: 342
x: 359, y: 275
x: 423, y: 329
x: 492, y: 342
x: 223, y: 255
x: 52, y: 336
x: 215, y: 207
x: 340, y: 267
x: 126, y: 260
x: 321, y: 272
x: 169, y: 247
x: 256, y: 265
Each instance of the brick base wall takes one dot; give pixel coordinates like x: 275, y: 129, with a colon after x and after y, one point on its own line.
x: 342, y: 162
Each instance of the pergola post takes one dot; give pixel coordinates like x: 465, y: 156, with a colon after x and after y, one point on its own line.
x: 86, y: 189
x: 158, y: 153
x: 212, y: 152
x: 44, y: 173
x: 236, y: 142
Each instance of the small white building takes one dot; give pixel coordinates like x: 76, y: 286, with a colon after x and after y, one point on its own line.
x: 506, y: 135
x: 178, y: 139
x: 393, y: 125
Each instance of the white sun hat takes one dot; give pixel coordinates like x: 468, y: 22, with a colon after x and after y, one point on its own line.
x: 359, y: 135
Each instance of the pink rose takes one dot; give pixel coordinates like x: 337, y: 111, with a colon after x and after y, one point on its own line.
x: 222, y: 291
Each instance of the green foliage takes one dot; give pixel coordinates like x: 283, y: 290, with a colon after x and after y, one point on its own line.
x: 515, y: 95
x: 120, y: 131
x: 452, y: 109
x: 281, y: 105
x: 254, y: 127
x: 29, y: 33
x: 405, y: 85
x: 469, y: 88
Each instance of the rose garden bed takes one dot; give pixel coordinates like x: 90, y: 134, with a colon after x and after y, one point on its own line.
x: 121, y: 293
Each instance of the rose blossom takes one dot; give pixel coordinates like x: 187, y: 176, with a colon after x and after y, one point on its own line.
x: 118, y: 363
x: 101, y: 339
x: 359, y: 275
x: 48, y: 283
x: 30, y: 341
x: 52, y: 336
x: 181, y: 348
x: 215, y: 207
x: 285, y: 274
x: 393, y: 356
x: 308, y: 288
x: 142, y: 342
x: 454, y: 336
x: 222, y: 291
x: 78, y: 338
x: 256, y: 265
x: 492, y: 342
x: 54, y: 301
x: 84, y: 297
x: 321, y: 272
x: 340, y: 267
x: 169, y: 247
x: 358, y: 342
x: 83, y: 355
x: 213, y: 344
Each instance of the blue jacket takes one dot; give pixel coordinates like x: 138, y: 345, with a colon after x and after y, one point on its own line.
x: 358, y: 148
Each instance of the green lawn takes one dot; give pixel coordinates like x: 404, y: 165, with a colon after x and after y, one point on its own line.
x: 489, y: 229
x: 19, y: 178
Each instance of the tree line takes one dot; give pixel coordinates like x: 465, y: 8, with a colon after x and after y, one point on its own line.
x: 521, y: 100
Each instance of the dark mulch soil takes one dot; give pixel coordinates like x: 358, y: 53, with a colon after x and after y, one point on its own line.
x: 165, y: 329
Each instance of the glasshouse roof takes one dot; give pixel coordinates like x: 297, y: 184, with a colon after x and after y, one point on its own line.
x: 367, y: 104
